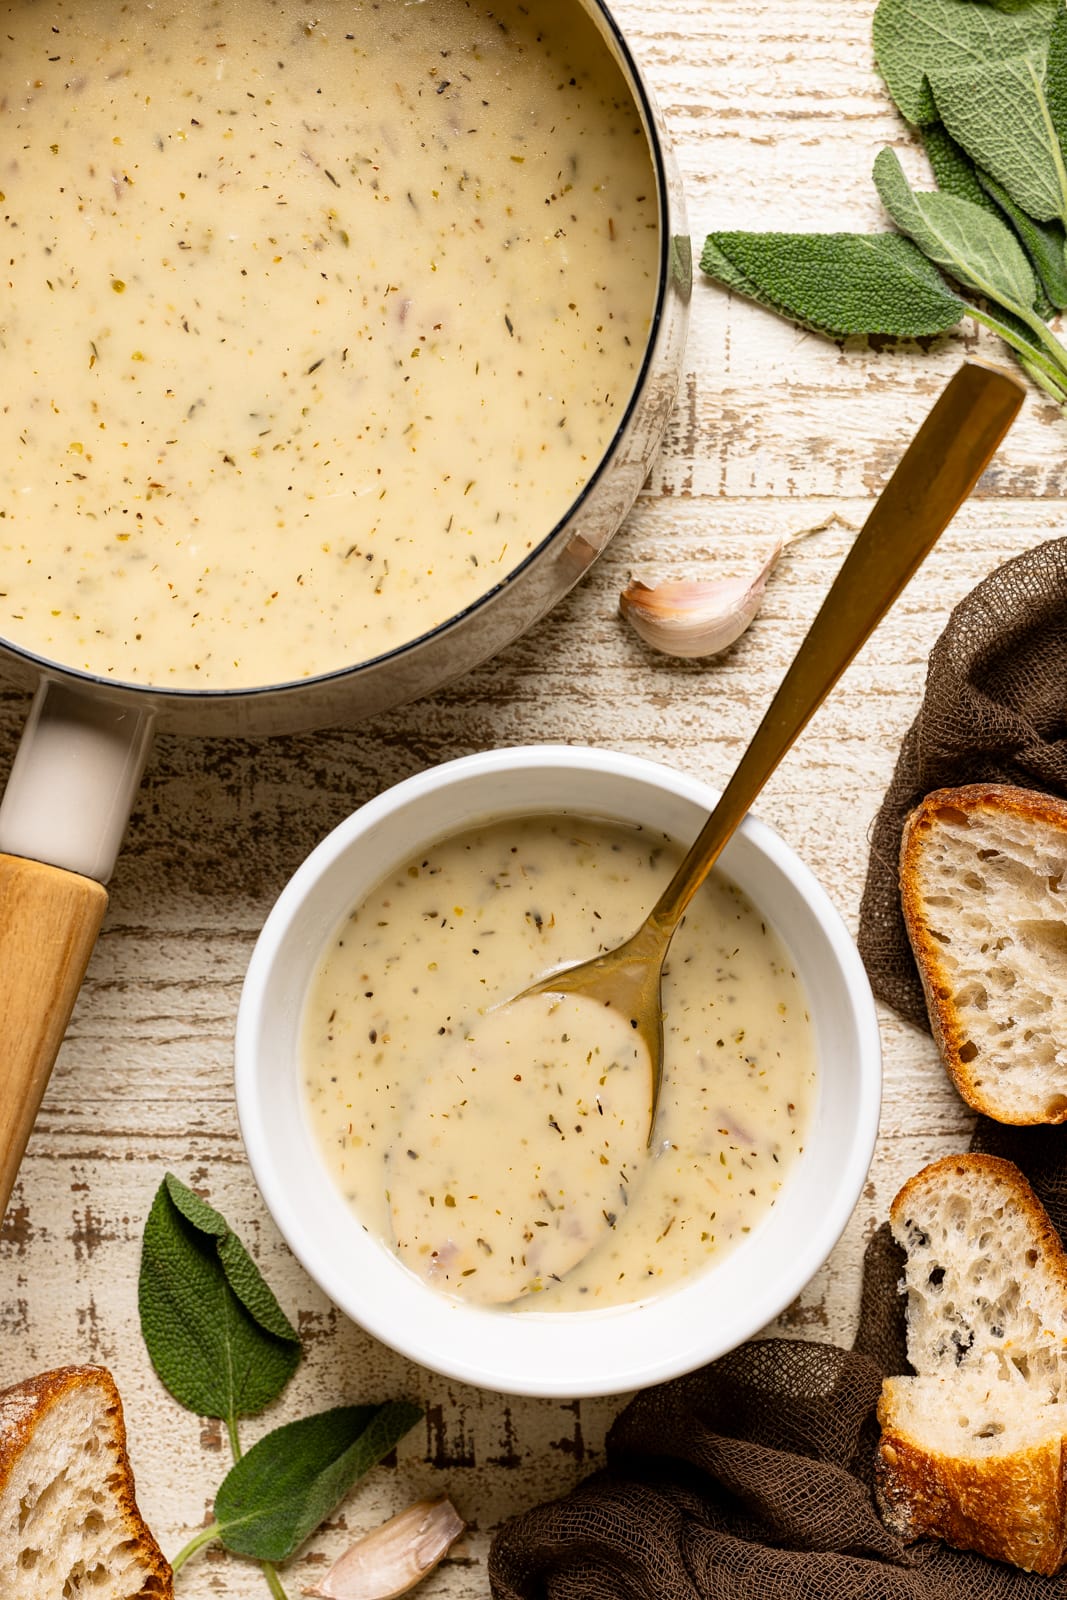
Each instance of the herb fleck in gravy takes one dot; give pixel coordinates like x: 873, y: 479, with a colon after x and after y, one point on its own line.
x: 314, y: 323
x: 400, y: 1043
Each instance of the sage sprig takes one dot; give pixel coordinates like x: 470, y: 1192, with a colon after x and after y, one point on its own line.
x: 223, y: 1347
x: 985, y: 85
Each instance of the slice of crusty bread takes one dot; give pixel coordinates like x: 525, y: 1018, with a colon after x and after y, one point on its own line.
x: 961, y: 1460
x: 983, y: 879
x: 974, y: 1449
x: 69, y: 1523
x: 986, y: 1275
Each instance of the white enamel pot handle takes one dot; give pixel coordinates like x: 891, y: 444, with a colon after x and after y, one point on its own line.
x: 62, y: 818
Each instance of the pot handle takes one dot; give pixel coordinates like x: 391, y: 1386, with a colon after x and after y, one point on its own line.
x: 62, y: 818
x: 49, y: 920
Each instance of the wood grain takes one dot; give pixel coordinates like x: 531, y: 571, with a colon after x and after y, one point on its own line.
x: 777, y: 113
x: 49, y: 921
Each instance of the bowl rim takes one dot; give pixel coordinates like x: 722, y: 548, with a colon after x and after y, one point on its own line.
x: 522, y: 1354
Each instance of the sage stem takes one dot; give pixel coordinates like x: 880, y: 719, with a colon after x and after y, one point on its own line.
x: 273, y: 1581
x: 205, y: 1536
x: 1039, y: 361
x: 1048, y: 339
x: 1034, y: 372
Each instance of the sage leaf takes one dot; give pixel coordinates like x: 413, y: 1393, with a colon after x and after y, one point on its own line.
x: 978, y: 249
x: 275, y: 1496
x: 985, y: 83
x: 981, y: 252
x: 1000, y: 115
x: 913, y: 38
x: 1056, y: 75
x: 1043, y: 242
x: 953, y: 170
x: 245, y: 1278
x: 222, y: 1347
x: 718, y: 266
x: 839, y: 283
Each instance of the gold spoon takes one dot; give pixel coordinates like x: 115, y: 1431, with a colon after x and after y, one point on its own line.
x: 936, y: 474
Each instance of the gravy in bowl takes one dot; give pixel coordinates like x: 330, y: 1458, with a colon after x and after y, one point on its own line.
x: 315, y: 322
x: 415, y: 972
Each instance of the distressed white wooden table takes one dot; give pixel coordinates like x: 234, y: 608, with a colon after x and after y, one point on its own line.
x: 777, y: 113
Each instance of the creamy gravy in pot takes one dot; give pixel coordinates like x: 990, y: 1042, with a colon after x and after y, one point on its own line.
x: 314, y: 321
x: 400, y: 1020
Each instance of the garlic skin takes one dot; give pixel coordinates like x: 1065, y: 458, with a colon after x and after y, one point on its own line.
x: 693, y: 617
x: 392, y: 1559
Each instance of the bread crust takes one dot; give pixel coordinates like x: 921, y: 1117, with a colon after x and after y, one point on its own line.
x: 1011, y: 1507
x: 950, y: 1035
x: 22, y: 1408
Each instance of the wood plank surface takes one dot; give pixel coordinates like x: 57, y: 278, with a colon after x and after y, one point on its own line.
x: 776, y: 112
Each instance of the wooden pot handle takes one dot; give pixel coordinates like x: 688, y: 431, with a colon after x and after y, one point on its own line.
x: 49, y: 920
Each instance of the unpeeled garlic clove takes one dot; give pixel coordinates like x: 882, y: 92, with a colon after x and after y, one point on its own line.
x: 393, y: 1558
x: 693, y: 617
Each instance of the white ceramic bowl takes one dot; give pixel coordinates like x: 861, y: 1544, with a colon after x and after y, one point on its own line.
x: 559, y: 1354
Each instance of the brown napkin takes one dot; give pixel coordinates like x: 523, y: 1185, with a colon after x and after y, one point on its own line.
x: 994, y: 711
x: 750, y: 1480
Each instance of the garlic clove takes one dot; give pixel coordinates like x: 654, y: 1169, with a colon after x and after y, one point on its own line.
x: 692, y: 617
x: 392, y: 1559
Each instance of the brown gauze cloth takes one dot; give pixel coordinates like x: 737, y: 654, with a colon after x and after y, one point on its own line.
x: 751, y: 1479
x: 994, y: 711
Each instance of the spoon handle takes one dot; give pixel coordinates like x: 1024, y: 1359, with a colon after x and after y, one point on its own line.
x: 936, y: 474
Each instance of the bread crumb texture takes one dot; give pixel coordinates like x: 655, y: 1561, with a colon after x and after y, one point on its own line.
x: 69, y: 1523
x: 973, y: 1448
x: 983, y: 878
